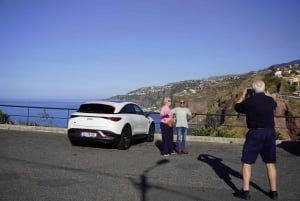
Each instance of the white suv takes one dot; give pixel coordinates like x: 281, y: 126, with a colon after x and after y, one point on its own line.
x: 106, y: 121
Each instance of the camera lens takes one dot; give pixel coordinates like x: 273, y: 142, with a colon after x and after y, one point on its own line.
x: 250, y: 92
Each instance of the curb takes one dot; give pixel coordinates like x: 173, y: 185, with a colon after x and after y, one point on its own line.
x: 157, y: 136
x: 33, y: 128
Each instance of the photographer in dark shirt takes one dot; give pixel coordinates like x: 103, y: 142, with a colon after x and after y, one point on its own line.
x: 260, y: 138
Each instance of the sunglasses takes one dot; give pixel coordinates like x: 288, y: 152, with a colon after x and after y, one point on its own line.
x: 181, y: 102
x: 169, y: 100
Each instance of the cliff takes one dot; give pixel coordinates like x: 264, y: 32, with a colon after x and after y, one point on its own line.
x: 216, y: 96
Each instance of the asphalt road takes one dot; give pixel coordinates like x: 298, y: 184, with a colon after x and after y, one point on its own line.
x: 45, y: 167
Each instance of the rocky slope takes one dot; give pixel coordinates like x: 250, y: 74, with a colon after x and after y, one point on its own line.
x: 216, y: 96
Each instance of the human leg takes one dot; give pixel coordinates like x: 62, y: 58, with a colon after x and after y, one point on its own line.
x: 249, y: 156
x: 164, y: 138
x: 179, y: 135
x: 251, y: 150
x: 184, y: 133
x: 170, y: 141
x: 246, y: 169
x: 244, y: 193
x: 268, y: 155
x: 272, y: 175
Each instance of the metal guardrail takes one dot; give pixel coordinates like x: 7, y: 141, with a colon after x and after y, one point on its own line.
x: 58, y: 117
x: 238, y: 116
x: 36, y: 114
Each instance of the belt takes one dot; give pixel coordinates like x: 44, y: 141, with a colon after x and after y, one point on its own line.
x: 258, y: 128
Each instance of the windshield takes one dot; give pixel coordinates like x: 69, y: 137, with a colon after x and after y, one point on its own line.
x: 96, y: 108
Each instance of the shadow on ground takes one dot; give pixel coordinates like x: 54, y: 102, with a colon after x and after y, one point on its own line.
x: 95, y: 144
x: 225, y: 172
x: 292, y: 147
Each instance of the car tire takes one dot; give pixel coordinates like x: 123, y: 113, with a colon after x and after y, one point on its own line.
x: 125, y: 140
x: 75, y: 143
x: 150, y: 136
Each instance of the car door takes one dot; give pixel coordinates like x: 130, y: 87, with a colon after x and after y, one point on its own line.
x: 143, y: 122
x: 132, y: 118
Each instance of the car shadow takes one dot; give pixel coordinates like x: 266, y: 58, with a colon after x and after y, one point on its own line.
x: 292, y: 147
x: 94, y: 144
x: 225, y: 172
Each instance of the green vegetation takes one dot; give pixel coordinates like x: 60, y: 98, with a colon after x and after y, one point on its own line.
x: 273, y: 83
x: 209, y: 131
x: 203, y: 131
x: 45, y: 118
x: 224, y: 132
x: 3, y: 118
x: 24, y: 123
x: 278, y: 136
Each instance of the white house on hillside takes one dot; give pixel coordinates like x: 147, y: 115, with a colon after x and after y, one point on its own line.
x: 278, y: 73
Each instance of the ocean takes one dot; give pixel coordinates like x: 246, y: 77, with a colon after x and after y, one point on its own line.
x: 51, y: 113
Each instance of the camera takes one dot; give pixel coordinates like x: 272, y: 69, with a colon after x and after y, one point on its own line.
x: 250, y: 92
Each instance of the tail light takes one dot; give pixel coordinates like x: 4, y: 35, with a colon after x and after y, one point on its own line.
x: 108, y: 118
x: 113, y: 118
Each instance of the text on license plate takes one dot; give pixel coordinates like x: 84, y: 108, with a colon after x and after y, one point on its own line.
x: 88, y: 134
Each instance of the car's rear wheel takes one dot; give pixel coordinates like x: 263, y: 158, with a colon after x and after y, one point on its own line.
x: 125, y: 140
x: 150, y: 136
x: 75, y: 142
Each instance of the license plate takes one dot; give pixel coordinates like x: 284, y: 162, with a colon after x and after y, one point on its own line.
x: 88, y: 134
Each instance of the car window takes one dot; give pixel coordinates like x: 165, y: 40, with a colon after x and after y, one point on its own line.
x: 127, y: 109
x: 138, y: 110
x: 96, y: 108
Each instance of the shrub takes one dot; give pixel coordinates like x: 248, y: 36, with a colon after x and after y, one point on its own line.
x: 20, y: 122
x: 45, y: 118
x: 203, y: 131
x: 224, y: 133
x: 278, y: 135
x: 220, y: 132
x: 3, y: 118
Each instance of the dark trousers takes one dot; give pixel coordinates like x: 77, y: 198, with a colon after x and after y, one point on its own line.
x: 167, y: 138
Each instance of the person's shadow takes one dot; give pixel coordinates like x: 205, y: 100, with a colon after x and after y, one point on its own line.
x: 224, y: 172
x: 292, y: 147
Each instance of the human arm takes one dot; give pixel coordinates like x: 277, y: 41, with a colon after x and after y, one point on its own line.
x: 190, y: 115
x: 238, y: 106
x: 165, y: 111
x: 242, y: 97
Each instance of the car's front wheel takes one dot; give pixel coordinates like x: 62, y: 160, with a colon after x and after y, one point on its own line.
x: 150, y: 136
x: 125, y: 140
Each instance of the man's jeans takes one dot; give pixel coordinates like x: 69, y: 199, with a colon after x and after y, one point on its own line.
x: 181, y: 138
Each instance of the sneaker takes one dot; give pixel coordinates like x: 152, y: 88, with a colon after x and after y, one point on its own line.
x: 273, y: 195
x: 242, y: 194
x: 184, y: 152
x: 166, y: 154
x: 173, y: 153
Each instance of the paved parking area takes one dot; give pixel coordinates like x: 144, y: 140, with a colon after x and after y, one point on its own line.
x: 44, y: 166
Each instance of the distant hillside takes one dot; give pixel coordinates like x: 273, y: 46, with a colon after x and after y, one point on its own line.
x: 216, y: 95
x: 205, y: 92
x: 151, y: 98
x: 288, y: 63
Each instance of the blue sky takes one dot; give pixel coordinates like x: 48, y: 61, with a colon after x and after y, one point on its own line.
x: 91, y: 49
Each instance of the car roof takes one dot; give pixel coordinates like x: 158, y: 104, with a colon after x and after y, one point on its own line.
x: 117, y: 104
